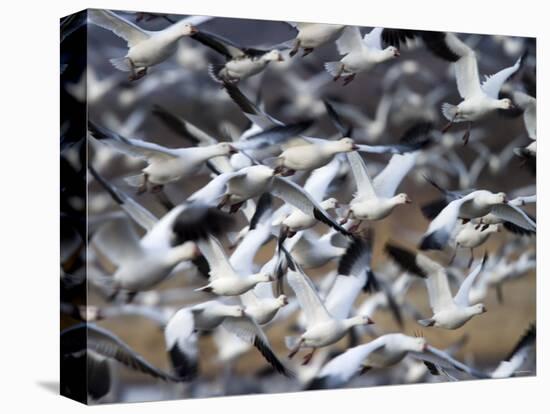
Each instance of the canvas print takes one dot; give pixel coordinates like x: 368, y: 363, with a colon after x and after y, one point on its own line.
x: 252, y: 206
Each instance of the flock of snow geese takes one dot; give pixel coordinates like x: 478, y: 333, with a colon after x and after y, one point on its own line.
x: 248, y: 217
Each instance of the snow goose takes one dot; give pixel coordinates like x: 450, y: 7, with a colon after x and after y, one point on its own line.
x: 468, y: 206
x: 479, y: 100
x: 313, y: 35
x: 164, y: 165
x: 251, y: 143
x: 322, y: 328
x: 312, y: 250
x: 316, y: 185
x: 179, y: 332
x: 382, y: 352
x: 523, y: 352
x: 360, y: 53
x: 145, y: 48
x: 260, y: 303
x: 235, y: 188
x: 90, y: 346
x: 241, y: 62
x: 376, y: 200
x: 223, y: 279
x: 470, y: 236
x: 448, y: 312
x: 143, y: 263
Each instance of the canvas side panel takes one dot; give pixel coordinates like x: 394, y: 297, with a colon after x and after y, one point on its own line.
x: 73, y: 46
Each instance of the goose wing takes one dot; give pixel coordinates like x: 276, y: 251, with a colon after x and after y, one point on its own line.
x: 492, y: 84
x: 299, y: 198
x: 386, y: 182
x: 123, y: 28
x: 338, y: 371
x: 181, y: 343
x: 443, y: 360
x: 364, y: 186
x: 212, y: 250
x: 306, y: 293
x: 248, y: 330
x: 463, y: 294
x: 132, y: 147
x: 513, y: 214
x: 350, y: 40
x: 137, y: 212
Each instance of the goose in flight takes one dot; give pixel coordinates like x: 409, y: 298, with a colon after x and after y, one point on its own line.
x: 181, y: 339
x: 479, y: 99
x: 383, y: 352
x: 234, y: 188
x: 470, y: 236
x: 142, y: 263
x: 520, y: 356
x: 145, y: 48
x: 241, y: 62
x: 448, y: 312
x: 360, y: 53
x: 314, y: 152
x: 528, y: 105
x: 466, y: 206
x: 322, y: 328
x: 165, y: 165
x: 223, y: 279
x: 376, y: 200
x: 313, y: 35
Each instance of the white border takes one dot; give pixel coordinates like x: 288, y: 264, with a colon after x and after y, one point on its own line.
x: 29, y: 187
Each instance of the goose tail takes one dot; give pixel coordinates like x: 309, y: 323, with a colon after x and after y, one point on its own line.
x: 121, y: 63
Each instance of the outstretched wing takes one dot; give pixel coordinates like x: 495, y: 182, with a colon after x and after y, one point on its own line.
x: 128, y: 31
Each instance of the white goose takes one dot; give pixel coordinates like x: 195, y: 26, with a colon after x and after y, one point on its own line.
x: 471, y: 235
x: 448, y: 312
x: 360, y: 53
x: 376, y: 200
x: 478, y: 99
x: 313, y: 35
x: 241, y: 62
x: 322, y: 328
x: 260, y: 302
x: 145, y: 48
x: 476, y: 204
x: 143, y: 263
x: 529, y: 106
x: 316, y: 185
x: 223, y: 279
x: 164, y: 165
x: 235, y: 188
x: 383, y: 352
x: 181, y: 338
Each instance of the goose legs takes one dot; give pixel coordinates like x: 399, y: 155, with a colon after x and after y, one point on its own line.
x: 308, y: 357
x: 466, y: 136
x: 296, y: 348
x: 295, y: 48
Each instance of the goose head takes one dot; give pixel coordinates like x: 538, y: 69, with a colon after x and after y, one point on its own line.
x: 273, y: 56
x: 345, y: 145
x: 359, y: 320
x: 262, y: 278
x: 416, y: 344
x: 402, y: 198
x: 282, y: 300
x: 477, y: 309
x: 493, y: 198
x: 329, y: 203
x: 505, y: 103
x: 390, y: 52
x: 225, y: 148
x: 222, y: 310
x: 184, y: 29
